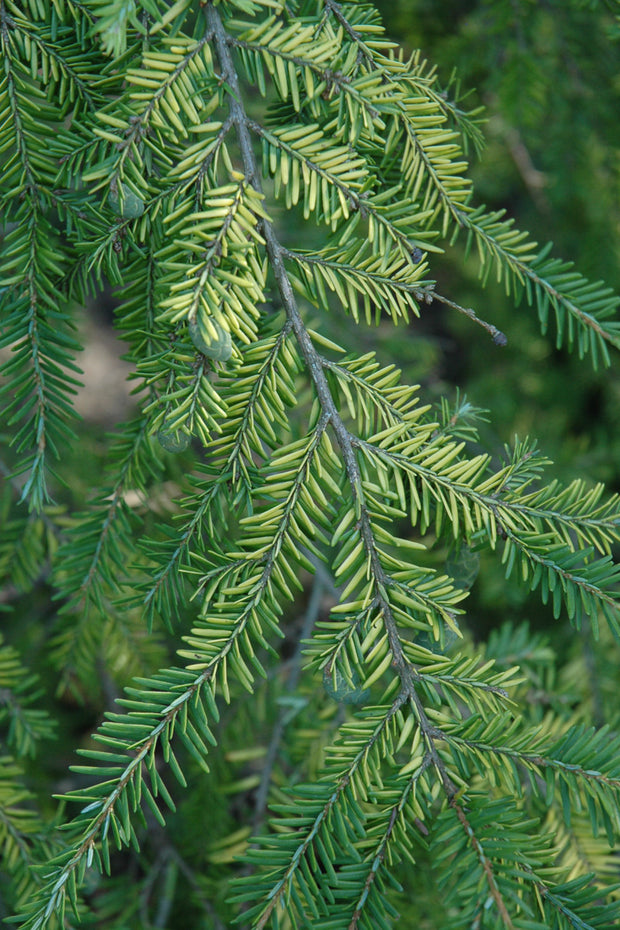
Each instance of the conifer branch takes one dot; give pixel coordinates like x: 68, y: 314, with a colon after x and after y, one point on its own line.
x: 234, y: 467
x: 498, y: 500
x: 309, y: 353
x: 587, y: 304
x: 347, y: 446
x: 485, y: 862
x: 498, y: 240
x: 319, y: 823
x: 292, y: 455
x: 430, y: 735
x: 114, y: 502
x: 50, y: 53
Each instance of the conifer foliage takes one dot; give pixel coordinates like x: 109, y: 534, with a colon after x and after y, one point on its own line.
x: 236, y: 171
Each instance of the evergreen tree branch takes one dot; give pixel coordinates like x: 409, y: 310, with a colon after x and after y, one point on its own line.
x: 93, y: 554
x: 151, y: 722
x: 58, y: 64
x: 130, y: 759
x: 582, y: 308
x: 429, y: 734
x: 38, y: 330
x: 540, y: 750
x: 333, y: 794
x: 153, y: 167
x: 569, y: 510
x: 347, y: 447
x: 311, y: 357
x: 499, y: 338
x: 234, y: 451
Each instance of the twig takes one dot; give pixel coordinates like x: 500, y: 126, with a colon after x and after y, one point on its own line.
x: 310, y: 618
x: 499, y: 338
